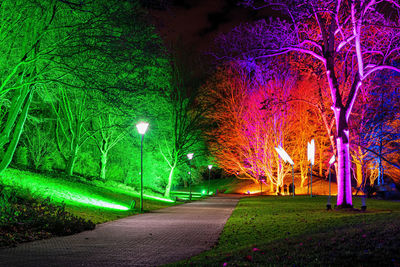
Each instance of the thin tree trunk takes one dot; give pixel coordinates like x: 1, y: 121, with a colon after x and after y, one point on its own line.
x: 169, y: 184
x: 320, y: 158
x: 359, y: 173
x: 69, y: 169
x: 103, y: 164
x: 7, y: 157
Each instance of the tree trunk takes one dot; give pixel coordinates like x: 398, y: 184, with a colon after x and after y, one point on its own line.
x: 69, y: 169
x: 320, y: 158
x: 169, y: 184
x: 303, y: 175
x: 359, y: 173
x: 103, y: 164
x: 344, y: 197
x: 7, y: 157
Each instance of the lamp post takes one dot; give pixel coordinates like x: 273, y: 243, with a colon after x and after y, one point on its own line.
x: 209, y: 174
x: 282, y: 153
x: 310, y: 157
x: 190, y: 156
x: 331, y: 161
x: 141, y: 128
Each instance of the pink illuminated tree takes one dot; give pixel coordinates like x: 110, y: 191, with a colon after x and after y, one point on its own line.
x: 252, y: 116
x: 349, y: 41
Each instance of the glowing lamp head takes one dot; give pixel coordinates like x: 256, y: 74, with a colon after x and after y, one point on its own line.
x: 190, y: 156
x: 332, y: 160
x: 142, y: 127
x: 209, y: 167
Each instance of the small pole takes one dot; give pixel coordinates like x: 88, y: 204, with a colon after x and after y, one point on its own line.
x: 190, y: 180
x: 329, y: 181
x: 141, y: 174
x: 328, y: 205
x: 209, y: 174
x: 311, y: 177
x: 293, y: 179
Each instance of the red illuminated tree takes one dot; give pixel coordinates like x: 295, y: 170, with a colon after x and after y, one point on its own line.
x: 349, y: 40
x: 251, y: 117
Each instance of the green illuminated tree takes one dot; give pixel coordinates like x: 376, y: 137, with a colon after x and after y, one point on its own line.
x: 74, y: 46
x: 24, y: 29
x: 108, y: 130
x: 184, y: 121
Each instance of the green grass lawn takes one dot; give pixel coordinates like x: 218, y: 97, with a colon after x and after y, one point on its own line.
x: 35, y: 206
x: 265, y: 231
x: 95, y: 201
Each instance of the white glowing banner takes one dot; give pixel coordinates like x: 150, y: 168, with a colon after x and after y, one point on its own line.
x: 332, y: 160
x: 311, y: 151
x: 282, y: 153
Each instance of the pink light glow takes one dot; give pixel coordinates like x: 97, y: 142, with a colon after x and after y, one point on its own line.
x: 344, y: 184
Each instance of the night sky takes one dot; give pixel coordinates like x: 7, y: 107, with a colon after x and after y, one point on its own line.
x: 197, y: 22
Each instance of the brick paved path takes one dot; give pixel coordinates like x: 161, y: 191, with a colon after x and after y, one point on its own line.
x: 150, y: 239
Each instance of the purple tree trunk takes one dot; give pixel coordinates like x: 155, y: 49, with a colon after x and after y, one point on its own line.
x: 344, y: 197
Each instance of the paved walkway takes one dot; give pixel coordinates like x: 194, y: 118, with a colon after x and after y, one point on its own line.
x: 150, y: 239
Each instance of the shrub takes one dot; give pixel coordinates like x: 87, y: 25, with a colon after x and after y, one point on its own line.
x: 29, y: 219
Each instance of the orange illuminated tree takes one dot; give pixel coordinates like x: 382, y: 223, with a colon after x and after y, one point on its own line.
x: 350, y: 40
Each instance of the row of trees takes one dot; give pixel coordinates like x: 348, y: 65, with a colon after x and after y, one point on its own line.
x: 339, y: 51
x: 75, y: 78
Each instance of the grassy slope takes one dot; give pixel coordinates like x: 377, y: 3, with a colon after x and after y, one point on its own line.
x: 264, y: 231
x: 84, y: 199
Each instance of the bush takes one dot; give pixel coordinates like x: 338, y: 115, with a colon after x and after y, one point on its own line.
x: 28, y: 219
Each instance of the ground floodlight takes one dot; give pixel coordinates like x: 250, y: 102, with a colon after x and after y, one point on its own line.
x: 142, y: 127
x: 332, y: 160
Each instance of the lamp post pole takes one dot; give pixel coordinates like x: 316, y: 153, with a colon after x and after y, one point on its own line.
x: 209, y: 174
x: 328, y: 205
x: 190, y: 156
x: 331, y: 161
x: 141, y: 174
x: 311, y: 178
x: 142, y: 128
x: 293, y: 179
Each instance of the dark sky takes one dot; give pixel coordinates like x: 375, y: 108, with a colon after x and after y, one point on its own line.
x: 196, y: 22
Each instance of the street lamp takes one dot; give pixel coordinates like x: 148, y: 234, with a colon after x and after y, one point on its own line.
x: 310, y: 157
x: 282, y: 153
x: 190, y: 156
x: 141, y: 128
x: 331, y: 161
x: 209, y: 174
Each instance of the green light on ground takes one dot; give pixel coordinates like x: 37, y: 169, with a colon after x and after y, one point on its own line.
x: 87, y: 201
x: 203, y: 192
x: 58, y: 191
x: 159, y: 198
